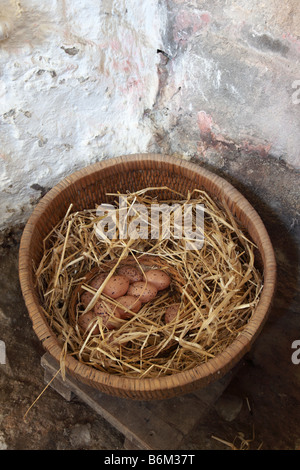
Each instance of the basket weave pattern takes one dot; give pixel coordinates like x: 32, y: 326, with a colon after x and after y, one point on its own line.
x: 88, y: 187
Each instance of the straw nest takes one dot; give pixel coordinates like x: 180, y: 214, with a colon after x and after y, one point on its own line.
x: 217, y: 287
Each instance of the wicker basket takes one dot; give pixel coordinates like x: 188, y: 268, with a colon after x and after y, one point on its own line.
x: 88, y: 186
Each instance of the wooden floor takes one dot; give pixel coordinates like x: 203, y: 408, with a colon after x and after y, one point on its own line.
x: 146, y: 425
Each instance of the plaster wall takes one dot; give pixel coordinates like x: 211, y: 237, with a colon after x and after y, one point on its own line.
x: 75, y: 78
x: 213, y: 81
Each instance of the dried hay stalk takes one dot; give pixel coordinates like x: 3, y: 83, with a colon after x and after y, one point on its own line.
x: 217, y: 286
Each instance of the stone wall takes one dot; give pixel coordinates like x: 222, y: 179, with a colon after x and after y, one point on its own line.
x: 229, y: 98
x: 231, y: 79
x: 217, y: 82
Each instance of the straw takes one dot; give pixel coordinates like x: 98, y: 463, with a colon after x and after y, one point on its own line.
x: 217, y: 287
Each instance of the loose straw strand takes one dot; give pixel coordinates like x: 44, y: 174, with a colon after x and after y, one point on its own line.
x: 42, y: 392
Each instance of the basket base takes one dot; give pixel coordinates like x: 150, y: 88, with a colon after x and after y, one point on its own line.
x: 146, y: 425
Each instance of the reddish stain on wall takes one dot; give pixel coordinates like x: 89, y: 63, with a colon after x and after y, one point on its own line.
x: 261, y: 149
x: 211, y: 139
x: 188, y: 23
x: 205, y: 123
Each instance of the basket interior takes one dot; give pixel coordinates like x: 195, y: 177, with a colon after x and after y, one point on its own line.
x: 86, y: 189
x: 89, y: 190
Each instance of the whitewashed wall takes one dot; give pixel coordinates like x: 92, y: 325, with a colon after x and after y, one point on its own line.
x: 75, y: 79
x: 83, y: 80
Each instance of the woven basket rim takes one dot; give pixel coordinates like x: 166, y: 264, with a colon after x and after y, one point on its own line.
x: 214, y: 367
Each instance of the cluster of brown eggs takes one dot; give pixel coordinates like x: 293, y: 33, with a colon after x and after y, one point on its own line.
x: 131, y: 289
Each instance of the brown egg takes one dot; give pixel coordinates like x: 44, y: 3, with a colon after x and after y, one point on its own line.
x: 116, y: 286
x: 129, y: 302
x: 85, y: 298
x: 98, y: 280
x: 144, y: 291
x: 100, y: 309
x: 171, y: 312
x: 86, y: 323
x: 132, y: 273
x: 159, y: 278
